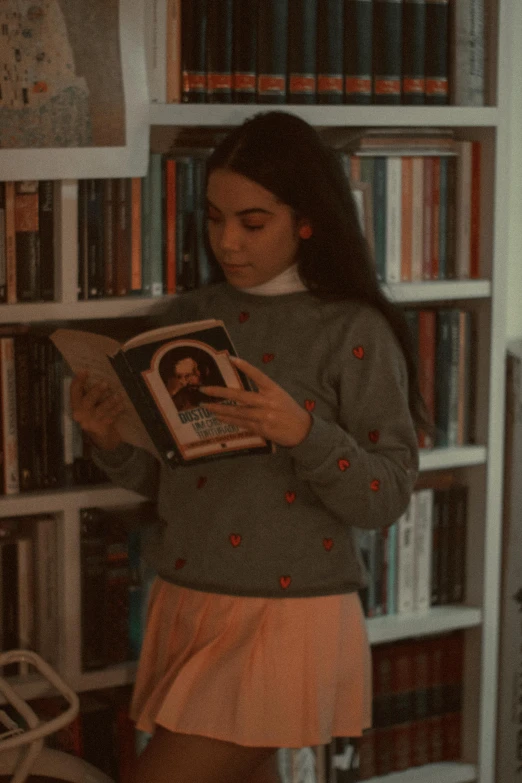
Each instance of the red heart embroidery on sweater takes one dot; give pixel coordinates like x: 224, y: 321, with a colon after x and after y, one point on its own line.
x: 374, y: 436
x: 290, y: 497
x: 243, y: 316
x: 202, y: 480
x: 344, y: 464
x: 358, y: 352
x: 327, y: 543
x: 268, y: 357
x: 310, y: 405
x: 235, y: 539
x: 375, y: 485
x: 179, y: 563
x: 284, y: 581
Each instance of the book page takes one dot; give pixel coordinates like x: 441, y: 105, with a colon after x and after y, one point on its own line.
x: 88, y: 351
x: 176, y: 330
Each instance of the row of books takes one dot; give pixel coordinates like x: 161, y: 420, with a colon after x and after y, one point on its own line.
x: 28, y: 587
x: 41, y: 447
x: 417, y: 705
x: 419, y: 199
x: 316, y: 51
x: 420, y: 560
x: 115, y: 584
x: 445, y: 340
x: 27, y: 226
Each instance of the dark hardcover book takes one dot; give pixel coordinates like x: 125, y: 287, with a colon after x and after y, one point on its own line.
x: 387, y: 51
x: 186, y: 270
x: 207, y: 269
x: 451, y: 219
x: 46, y: 223
x: 54, y: 416
x: 3, y: 248
x: 109, y: 193
x: 436, y: 62
x: 244, y: 50
x: 330, y: 51
x: 413, y: 51
x: 37, y: 411
x: 163, y: 414
x: 193, y: 51
x: 445, y: 533
x: 219, y: 51
x: 272, y: 48
x: 95, y: 237
x: 27, y: 241
x: 83, y: 265
x: 446, y: 391
x: 438, y: 501
x: 302, y: 51
x: 358, y: 46
x: 27, y: 445
x: 46, y: 435
x: 9, y: 594
x: 458, y: 501
x: 121, y: 228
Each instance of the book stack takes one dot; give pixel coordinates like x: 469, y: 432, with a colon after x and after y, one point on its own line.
x: 27, y: 241
x: 28, y: 588
x: 317, y: 51
x: 419, y: 561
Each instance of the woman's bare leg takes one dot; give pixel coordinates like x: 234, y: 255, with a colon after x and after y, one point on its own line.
x: 187, y: 758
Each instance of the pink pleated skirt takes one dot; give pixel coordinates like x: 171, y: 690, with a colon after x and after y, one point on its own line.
x: 280, y: 672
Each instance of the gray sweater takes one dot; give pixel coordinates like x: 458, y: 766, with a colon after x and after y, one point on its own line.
x: 282, y: 524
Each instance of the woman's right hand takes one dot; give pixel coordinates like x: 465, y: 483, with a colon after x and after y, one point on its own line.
x: 95, y: 407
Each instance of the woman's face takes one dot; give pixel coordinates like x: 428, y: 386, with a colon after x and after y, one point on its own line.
x: 253, y: 235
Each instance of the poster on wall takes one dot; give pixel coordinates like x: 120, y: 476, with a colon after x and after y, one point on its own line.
x: 73, y: 89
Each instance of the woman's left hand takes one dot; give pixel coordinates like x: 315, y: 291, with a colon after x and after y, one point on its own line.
x: 269, y: 412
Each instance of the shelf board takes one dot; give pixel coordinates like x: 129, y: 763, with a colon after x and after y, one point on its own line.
x: 454, y: 457
x: 113, y: 676
x: 190, y: 114
x: 438, y: 290
x: 438, y: 619
x: 70, y: 498
x: 111, y: 307
x: 444, y: 772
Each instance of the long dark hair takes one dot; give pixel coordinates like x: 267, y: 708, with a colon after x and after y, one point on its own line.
x: 288, y: 157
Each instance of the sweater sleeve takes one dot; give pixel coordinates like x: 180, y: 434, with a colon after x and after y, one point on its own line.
x: 130, y: 468
x: 364, y: 465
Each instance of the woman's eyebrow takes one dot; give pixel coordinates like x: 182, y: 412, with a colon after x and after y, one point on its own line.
x: 243, y: 212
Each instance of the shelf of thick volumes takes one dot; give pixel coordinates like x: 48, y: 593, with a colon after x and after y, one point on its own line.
x: 444, y: 772
x: 190, y: 114
x: 438, y: 290
x: 453, y: 457
x: 438, y: 619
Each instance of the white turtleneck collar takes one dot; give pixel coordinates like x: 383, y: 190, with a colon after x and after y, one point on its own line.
x: 287, y: 282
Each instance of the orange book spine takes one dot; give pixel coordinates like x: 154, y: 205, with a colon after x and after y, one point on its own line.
x: 355, y: 168
x: 136, y: 266
x: 170, y: 226
x: 10, y: 242
x: 407, y: 218
x: 173, y: 51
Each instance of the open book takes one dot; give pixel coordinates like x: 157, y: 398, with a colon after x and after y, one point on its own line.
x: 159, y: 373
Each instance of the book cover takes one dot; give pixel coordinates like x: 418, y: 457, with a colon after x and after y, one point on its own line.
x: 302, y: 51
x: 272, y: 52
x: 358, y: 43
x: 219, y: 51
x: 244, y: 50
x: 387, y: 51
x: 413, y: 51
x: 330, y: 51
x: 163, y: 414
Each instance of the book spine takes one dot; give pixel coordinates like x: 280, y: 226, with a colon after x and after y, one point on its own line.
x: 330, y: 51
x: 435, y: 218
x: 379, y: 215
x: 302, y: 51
x: 391, y: 571
x: 427, y: 354
x: 145, y: 234
x: 436, y: 63
x: 10, y: 242
x: 9, y: 417
x: 157, y: 228
x: 474, y: 250
x: 413, y: 51
x: 54, y: 377
x: 24, y: 408
x: 451, y: 231
x: 244, y: 50
x: 193, y: 51
x: 26, y: 619
x: 406, y: 218
x: 457, y: 565
x: 109, y: 188
x: 173, y: 53
x: 172, y: 198
x: 27, y: 241
x: 437, y: 511
x: 358, y: 43
x: 453, y: 380
x: 3, y: 250
x: 121, y: 238
x: 272, y: 49
x: 423, y: 503
x: 443, y: 217
x: 95, y: 232
x: 155, y: 49
x: 93, y: 572
x: 387, y: 48
x: 83, y: 266
x: 186, y: 224
x: 417, y: 239
x: 427, y: 228
x: 442, y: 377
x: 219, y: 51
x: 405, y: 559
x: 136, y: 272
x: 393, y: 219
x: 46, y: 589
x: 468, y: 62
x: 9, y: 593
x: 46, y: 225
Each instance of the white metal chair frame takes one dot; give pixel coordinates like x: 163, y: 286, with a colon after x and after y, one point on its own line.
x: 23, y: 751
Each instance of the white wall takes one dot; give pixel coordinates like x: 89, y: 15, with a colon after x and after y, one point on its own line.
x: 514, y: 193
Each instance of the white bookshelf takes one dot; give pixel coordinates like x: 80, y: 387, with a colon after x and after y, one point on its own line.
x: 482, y: 463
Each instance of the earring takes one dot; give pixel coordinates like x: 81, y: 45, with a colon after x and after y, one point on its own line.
x: 305, y: 232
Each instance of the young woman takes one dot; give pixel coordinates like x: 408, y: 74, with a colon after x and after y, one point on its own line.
x: 256, y: 638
